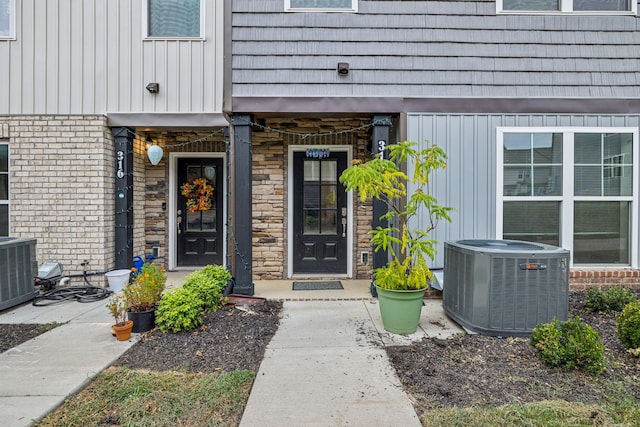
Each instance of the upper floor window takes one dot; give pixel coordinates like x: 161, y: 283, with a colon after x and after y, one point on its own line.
x: 174, y: 18
x: 620, y: 6
x: 7, y: 11
x: 4, y: 189
x: 321, y: 5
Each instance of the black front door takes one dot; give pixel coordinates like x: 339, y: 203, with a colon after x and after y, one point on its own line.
x: 200, y: 233
x: 319, y: 213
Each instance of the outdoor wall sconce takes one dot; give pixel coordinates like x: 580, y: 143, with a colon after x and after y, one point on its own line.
x: 154, y: 152
x: 153, y: 87
x: 343, y: 68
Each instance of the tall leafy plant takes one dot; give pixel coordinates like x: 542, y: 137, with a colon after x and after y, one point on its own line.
x: 383, y: 179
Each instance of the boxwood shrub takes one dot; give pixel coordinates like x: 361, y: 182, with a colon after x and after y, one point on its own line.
x: 571, y: 345
x: 179, y: 310
x: 612, y: 299
x: 209, y: 284
x: 628, y: 325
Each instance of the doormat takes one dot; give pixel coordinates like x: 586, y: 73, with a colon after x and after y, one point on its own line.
x: 316, y: 286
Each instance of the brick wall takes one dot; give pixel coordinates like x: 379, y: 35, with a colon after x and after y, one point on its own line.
x: 61, y: 187
x: 582, y: 279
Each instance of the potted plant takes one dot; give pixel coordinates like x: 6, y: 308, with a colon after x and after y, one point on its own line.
x: 143, y: 294
x: 117, y: 306
x: 402, y: 282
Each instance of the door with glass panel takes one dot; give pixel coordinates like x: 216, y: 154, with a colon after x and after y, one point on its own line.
x: 320, y: 219
x: 199, y: 212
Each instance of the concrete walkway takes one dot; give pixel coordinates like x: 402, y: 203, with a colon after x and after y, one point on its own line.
x: 325, y: 366
x: 36, y: 376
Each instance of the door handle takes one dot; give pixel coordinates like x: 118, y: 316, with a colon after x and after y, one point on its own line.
x: 344, y: 227
x: 179, y: 223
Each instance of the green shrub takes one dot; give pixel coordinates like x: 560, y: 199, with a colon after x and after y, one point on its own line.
x: 209, y: 283
x: 546, y: 340
x: 628, y: 325
x: 179, y: 310
x: 613, y: 299
x: 570, y: 345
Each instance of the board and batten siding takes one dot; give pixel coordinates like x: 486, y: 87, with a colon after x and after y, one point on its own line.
x: 90, y: 57
x: 468, y: 184
x: 432, y: 49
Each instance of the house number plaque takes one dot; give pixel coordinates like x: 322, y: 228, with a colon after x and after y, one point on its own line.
x: 120, y: 164
x: 318, y: 153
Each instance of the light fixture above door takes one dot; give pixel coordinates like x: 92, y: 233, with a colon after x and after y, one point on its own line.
x: 154, y: 151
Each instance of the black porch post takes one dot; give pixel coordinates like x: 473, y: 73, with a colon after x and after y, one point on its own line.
x: 380, y: 141
x: 123, y: 197
x: 242, y: 213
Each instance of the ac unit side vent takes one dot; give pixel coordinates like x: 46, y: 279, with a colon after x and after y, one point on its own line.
x: 17, y: 269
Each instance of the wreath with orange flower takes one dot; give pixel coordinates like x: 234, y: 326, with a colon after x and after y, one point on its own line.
x: 198, y: 194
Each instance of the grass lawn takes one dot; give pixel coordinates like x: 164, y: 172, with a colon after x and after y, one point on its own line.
x: 121, y: 396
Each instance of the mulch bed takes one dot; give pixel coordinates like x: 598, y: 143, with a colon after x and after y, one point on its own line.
x: 231, y: 338
x: 467, y: 370
x: 12, y: 334
x: 476, y: 370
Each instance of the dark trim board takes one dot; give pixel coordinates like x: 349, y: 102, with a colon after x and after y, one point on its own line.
x: 164, y: 120
x: 368, y: 105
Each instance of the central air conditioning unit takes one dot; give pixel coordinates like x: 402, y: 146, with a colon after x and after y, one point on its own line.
x: 505, y: 287
x: 17, y: 269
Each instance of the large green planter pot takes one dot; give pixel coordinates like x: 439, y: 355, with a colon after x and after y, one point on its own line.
x: 400, y: 310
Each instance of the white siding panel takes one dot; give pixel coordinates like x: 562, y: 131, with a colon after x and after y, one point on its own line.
x: 97, y: 85
x: 56, y: 70
x: 172, y: 75
x: 196, y: 62
x: 23, y: 66
x: 90, y: 57
x: 125, y: 57
x: 112, y: 58
x: 5, y: 76
x: 151, y: 73
x: 40, y: 56
x: 80, y: 52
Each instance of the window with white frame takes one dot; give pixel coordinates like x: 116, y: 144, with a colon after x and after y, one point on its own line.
x: 566, y: 6
x: 174, y: 18
x: 321, y: 5
x: 4, y: 189
x: 573, y: 188
x: 7, y: 18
